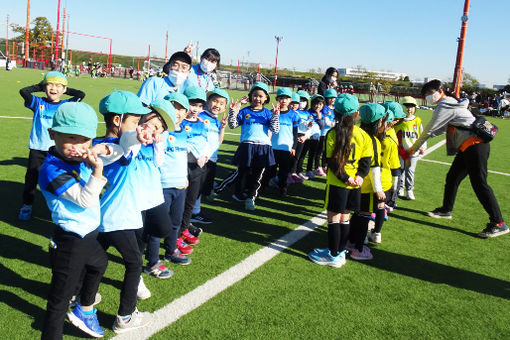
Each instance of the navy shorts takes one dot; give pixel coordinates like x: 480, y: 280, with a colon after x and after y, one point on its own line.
x: 254, y: 155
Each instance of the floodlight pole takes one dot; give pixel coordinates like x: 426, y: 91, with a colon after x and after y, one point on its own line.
x: 278, y: 39
x: 26, y: 34
x: 457, y: 73
x: 57, y: 32
x: 7, y: 37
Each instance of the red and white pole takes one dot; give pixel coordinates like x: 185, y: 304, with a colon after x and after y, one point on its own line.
x: 57, y: 32
x: 27, y: 32
x: 457, y: 74
x: 166, y: 47
x: 278, y: 39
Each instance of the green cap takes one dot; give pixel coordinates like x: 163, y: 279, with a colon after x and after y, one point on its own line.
x: 284, y: 92
x: 121, y: 102
x: 75, y: 118
x: 330, y: 93
x: 396, y: 108
x: 219, y: 92
x: 55, y: 77
x: 371, y: 112
x: 315, y: 96
x: 167, y: 111
x: 409, y: 101
x: 260, y: 85
x: 295, y: 98
x: 303, y: 94
x: 179, y: 98
x: 346, y: 104
x: 391, y: 117
x: 195, y: 92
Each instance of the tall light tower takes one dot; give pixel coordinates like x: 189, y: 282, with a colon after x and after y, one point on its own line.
x: 278, y: 39
x: 457, y: 73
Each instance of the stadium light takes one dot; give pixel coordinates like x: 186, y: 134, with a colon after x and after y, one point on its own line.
x: 278, y: 39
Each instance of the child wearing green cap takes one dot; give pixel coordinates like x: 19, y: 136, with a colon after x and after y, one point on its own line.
x: 71, y: 181
x: 348, y: 152
x: 254, y: 153
x: 54, y: 84
x: 372, y: 193
x: 408, y: 131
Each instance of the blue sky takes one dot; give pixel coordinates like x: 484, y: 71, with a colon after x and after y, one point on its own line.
x: 409, y: 36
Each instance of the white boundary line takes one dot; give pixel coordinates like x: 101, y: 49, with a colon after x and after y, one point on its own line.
x: 181, y: 306
x: 434, y: 147
x: 446, y: 163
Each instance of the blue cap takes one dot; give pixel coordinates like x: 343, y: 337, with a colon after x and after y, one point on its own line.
x: 179, y: 98
x: 295, y: 98
x: 260, y: 85
x: 303, y: 94
x: 346, y: 104
x: 391, y: 117
x: 371, y: 112
x: 315, y: 96
x: 75, y: 118
x: 121, y: 102
x: 221, y: 93
x: 195, y: 92
x: 167, y: 111
x: 284, y: 92
x: 55, y: 77
x: 395, y: 108
x: 330, y: 93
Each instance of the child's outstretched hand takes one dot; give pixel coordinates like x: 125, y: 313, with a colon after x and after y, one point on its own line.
x: 95, y: 162
x: 224, y: 120
x: 276, y: 109
x: 100, y: 149
x: 235, y: 106
x: 244, y: 100
x: 145, y: 134
x: 190, y: 47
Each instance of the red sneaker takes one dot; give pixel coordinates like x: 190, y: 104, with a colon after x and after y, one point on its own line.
x: 189, y: 238
x: 183, y: 247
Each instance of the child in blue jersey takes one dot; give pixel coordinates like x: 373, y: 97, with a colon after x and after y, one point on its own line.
x: 328, y: 121
x: 372, y: 193
x: 173, y: 169
x: 254, y: 154
x: 217, y: 102
x: 304, y: 125
x: 120, y: 212
x: 314, y: 133
x: 157, y: 88
x: 71, y: 180
x: 283, y: 143
x: 54, y: 84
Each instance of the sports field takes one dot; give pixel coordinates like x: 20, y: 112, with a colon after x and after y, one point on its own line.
x: 432, y: 279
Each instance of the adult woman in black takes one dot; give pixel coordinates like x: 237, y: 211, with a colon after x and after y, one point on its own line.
x: 328, y: 81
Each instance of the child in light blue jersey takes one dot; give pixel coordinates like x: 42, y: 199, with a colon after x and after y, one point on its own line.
x: 121, y: 215
x: 305, y: 124
x: 254, y: 154
x: 328, y: 121
x: 54, y: 84
x: 312, y: 143
x: 217, y: 102
x: 157, y: 88
x: 283, y: 143
x: 174, y: 180
x: 71, y: 180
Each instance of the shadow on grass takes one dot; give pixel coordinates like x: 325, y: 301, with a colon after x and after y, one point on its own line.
x: 22, y: 161
x: 430, y: 224
x: 439, y: 273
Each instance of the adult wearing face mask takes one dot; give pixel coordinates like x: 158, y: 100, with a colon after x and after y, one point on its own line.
x: 328, y: 81
x: 204, y: 74
x: 154, y: 88
x: 471, y: 154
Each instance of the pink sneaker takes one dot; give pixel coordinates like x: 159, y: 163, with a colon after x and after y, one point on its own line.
x: 349, y: 246
x: 297, y: 178
x: 320, y: 172
x: 362, y: 256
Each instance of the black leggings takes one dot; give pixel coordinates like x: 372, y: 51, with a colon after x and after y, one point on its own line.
x: 35, y: 160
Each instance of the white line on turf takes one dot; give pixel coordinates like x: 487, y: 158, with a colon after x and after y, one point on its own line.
x: 446, y: 163
x: 434, y: 147
x: 183, y: 305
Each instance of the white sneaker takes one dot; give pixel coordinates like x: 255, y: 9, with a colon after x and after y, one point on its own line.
x: 375, y: 237
x: 401, y: 192
x: 136, y: 320
x: 143, y: 292
x: 371, y: 225
x: 410, y: 195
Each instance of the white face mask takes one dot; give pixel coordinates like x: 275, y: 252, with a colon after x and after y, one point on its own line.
x: 434, y: 97
x: 332, y: 79
x: 302, y: 105
x: 177, y: 78
x: 207, y: 66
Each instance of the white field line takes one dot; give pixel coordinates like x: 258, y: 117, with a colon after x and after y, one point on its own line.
x: 183, y: 305
x: 434, y: 147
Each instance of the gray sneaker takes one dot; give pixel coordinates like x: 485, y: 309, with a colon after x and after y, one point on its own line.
x: 439, y: 213
x: 136, y: 320
x: 493, y: 230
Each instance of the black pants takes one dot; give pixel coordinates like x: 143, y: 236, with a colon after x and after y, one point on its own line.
x: 208, y: 185
x: 35, y: 160
x: 71, y: 258
x: 196, y: 176
x: 253, y: 181
x: 299, y: 150
x: 472, y: 162
x: 126, y: 242
x: 281, y: 168
x: 320, y: 155
x: 312, y: 155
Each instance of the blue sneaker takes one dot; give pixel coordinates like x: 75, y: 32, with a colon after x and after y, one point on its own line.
x: 320, y: 250
x: 324, y: 259
x: 25, y: 213
x: 249, y: 204
x: 86, y: 322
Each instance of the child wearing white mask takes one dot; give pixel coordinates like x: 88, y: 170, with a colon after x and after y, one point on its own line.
x: 177, y: 70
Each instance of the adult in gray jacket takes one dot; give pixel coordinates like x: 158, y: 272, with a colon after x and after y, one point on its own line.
x: 471, y: 154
